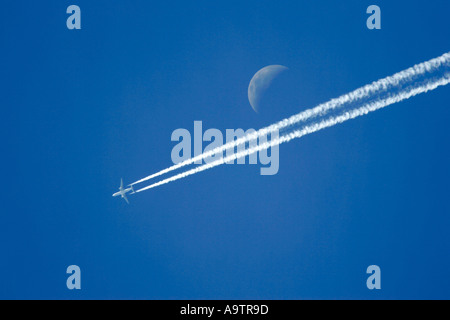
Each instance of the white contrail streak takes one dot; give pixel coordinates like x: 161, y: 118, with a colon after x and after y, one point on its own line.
x: 308, y: 129
x: 381, y: 86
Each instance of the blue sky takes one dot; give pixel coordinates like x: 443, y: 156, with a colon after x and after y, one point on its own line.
x: 83, y: 108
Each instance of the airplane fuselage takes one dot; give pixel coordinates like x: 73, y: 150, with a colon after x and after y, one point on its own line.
x: 122, y: 192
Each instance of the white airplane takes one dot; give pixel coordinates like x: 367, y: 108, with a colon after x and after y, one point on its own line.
x: 123, y: 192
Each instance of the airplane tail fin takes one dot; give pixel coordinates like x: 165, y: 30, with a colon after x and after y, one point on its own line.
x: 132, y: 189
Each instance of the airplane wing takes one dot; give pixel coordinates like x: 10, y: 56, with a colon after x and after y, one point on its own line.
x: 121, y: 183
x: 125, y: 197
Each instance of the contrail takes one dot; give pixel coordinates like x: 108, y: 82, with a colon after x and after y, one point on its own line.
x: 398, y: 80
x: 319, y: 125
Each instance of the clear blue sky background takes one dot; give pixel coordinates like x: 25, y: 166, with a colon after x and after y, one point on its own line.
x: 81, y: 109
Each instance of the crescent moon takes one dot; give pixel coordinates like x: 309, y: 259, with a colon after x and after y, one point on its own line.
x: 260, y: 82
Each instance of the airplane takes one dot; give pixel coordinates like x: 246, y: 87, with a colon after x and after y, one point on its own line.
x: 122, y: 192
